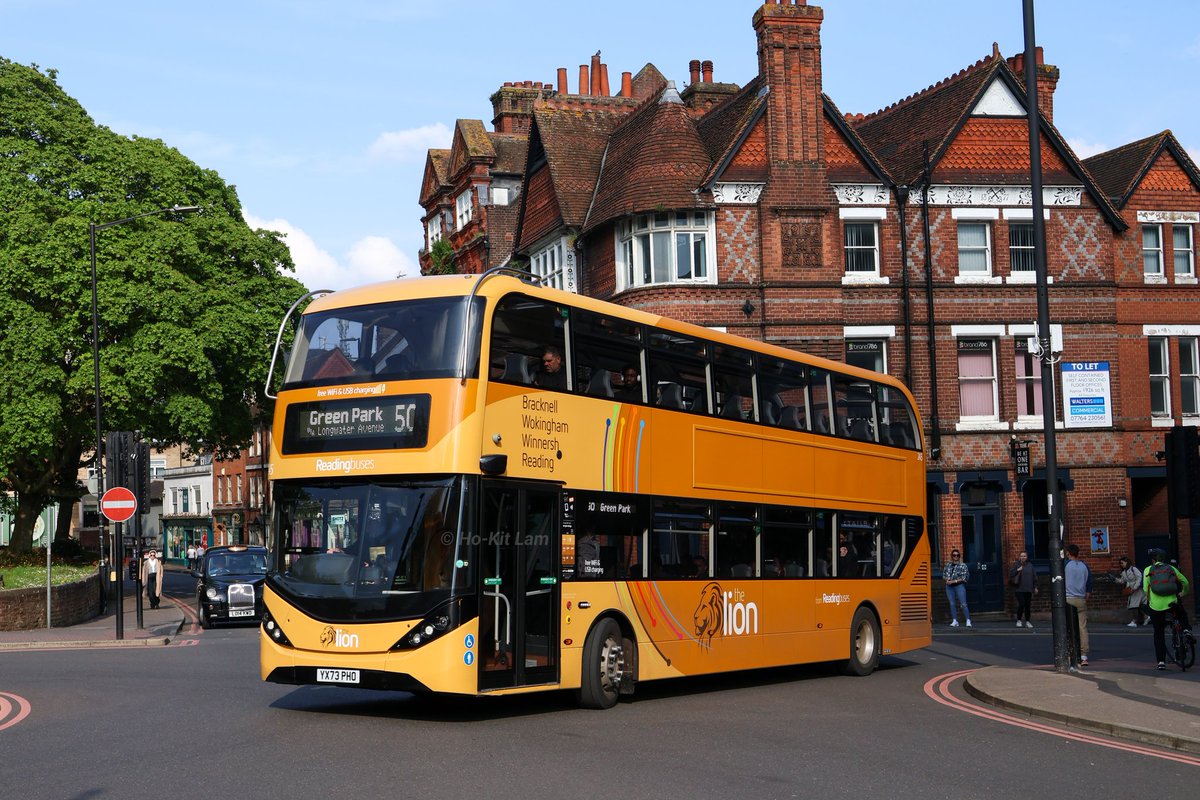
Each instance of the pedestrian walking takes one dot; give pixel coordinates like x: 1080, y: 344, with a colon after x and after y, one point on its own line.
x: 1164, y: 586
x: 191, y: 556
x: 1129, y: 578
x: 1023, y: 578
x: 152, y: 574
x: 955, y: 575
x: 1078, y: 581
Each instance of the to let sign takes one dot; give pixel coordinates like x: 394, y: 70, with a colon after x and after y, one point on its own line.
x: 118, y: 504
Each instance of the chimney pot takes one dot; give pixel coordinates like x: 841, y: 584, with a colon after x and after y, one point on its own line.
x: 595, y: 84
x: 694, y: 70
x: 626, y: 84
x: 583, y: 79
x: 604, y: 80
x: 562, y: 80
x: 707, y: 69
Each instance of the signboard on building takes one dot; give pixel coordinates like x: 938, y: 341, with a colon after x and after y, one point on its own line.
x: 1087, y: 394
x: 1021, y: 457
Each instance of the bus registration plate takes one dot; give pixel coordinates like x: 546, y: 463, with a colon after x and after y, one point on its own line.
x: 337, y: 675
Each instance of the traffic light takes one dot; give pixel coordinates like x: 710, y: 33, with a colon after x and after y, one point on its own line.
x: 141, y: 476
x: 1183, y: 470
x: 119, y: 449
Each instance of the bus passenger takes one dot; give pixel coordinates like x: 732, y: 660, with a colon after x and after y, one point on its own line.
x: 630, y: 388
x: 552, y: 375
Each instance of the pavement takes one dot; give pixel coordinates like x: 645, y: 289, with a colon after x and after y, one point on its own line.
x: 1126, y: 699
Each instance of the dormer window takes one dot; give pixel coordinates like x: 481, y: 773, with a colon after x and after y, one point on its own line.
x: 665, y: 247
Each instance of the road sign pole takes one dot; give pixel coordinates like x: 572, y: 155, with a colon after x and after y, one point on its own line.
x: 120, y: 566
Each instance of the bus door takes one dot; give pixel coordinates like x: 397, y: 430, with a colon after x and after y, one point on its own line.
x: 518, y: 586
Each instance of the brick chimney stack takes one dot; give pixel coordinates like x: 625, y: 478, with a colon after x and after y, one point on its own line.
x: 1045, y: 75
x: 789, y: 58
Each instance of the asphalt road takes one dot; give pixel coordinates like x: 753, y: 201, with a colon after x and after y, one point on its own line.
x: 193, y: 720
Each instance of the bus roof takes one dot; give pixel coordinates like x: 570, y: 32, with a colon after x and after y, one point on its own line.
x: 496, y: 286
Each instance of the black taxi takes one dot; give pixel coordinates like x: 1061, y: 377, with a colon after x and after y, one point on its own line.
x: 229, y: 584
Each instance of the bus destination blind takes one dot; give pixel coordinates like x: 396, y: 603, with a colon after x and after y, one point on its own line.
x: 369, y: 423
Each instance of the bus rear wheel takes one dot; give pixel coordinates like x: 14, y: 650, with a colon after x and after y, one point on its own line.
x: 864, y: 643
x: 603, y: 666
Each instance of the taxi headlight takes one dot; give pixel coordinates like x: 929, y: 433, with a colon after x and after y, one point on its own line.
x: 212, y: 593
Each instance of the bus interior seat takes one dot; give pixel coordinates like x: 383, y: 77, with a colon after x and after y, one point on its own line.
x: 902, y: 436
x: 860, y: 429
x: 791, y: 418
x: 741, y: 571
x: 772, y: 409
x: 793, y: 570
x: 516, y: 369
x: 732, y: 407
x: 600, y: 384
x: 822, y: 423
x: 670, y: 396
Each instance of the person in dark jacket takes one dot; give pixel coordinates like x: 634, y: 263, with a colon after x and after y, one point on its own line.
x: 1023, y: 578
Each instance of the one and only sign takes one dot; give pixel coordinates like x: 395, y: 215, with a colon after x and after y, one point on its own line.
x: 1087, y: 394
x: 118, y: 504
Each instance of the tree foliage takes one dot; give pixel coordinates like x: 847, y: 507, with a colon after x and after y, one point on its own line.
x: 188, y: 304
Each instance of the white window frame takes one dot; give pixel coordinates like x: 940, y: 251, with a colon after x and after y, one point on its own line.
x: 862, y: 216
x: 548, y: 263
x: 635, y: 241
x: 871, y: 250
x: 1155, y: 253
x: 1188, y: 253
x: 980, y: 421
x: 1024, y: 332
x: 433, y: 231
x: 1189, y: 376
x: 462, y: 209
x: 985, y: 217
x: 1160, y: 380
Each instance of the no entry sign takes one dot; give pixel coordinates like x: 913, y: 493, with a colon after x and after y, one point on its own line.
x: 118, y: 504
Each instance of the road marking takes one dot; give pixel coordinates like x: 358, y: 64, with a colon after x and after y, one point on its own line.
x: 12, y: 704
x: 939, y: 689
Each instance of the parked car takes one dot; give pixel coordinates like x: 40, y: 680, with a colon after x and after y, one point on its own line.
x: 229, y: 584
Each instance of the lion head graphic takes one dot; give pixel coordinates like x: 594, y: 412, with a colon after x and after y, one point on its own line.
x: 709, y: 615
x: 327, y: 636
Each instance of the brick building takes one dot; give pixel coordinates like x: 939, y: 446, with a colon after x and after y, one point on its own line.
x: 900, y: 240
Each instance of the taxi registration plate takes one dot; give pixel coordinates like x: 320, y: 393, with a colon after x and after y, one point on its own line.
x: 325, y: 675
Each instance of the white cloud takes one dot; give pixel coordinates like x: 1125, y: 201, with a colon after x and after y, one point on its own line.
x: 371, y: 259
x: 377, y: 258
x: 1086, y: 149
x: 411, y: 144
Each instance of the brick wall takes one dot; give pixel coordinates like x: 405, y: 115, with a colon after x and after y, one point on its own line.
x: 70, y: 604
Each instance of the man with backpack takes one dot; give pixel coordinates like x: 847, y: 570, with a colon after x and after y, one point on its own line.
x: 1165, y: 586
x: 1077, y: 579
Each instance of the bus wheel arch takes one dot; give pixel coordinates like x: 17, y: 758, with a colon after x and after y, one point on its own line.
x: 866, y: 642
x: 609, y: 663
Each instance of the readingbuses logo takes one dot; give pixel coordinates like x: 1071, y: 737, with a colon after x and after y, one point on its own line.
x: 338, y: 637
x: 831, y: 599
x: 724, y: 613
x: 344, y: 465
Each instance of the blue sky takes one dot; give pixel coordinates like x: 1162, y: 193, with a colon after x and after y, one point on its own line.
x: 321, y: 113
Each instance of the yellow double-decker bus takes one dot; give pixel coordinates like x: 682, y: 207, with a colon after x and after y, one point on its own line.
x: 482, y: 486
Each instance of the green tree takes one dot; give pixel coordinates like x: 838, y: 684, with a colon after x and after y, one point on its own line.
x: 189, y: 305
x: 441, y: 258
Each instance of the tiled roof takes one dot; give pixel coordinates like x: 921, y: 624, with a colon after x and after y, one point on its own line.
x: 510, y: 153
x: 436, y: 165
x: 723, y: 128
x: 573, y: 141
x: 654, y: 159
x: 476, y: 139
x: 1118, y: 171
x: 858, y: 156
x: 896, y: 134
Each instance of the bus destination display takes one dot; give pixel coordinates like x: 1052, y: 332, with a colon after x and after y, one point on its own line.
x: 372, y: 423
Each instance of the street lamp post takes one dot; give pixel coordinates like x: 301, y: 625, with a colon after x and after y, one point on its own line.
x: 118, y: 555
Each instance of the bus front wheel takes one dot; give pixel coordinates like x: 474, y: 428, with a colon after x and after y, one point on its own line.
x: 603, y: 666
x: 864, y: 643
